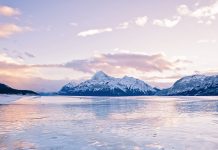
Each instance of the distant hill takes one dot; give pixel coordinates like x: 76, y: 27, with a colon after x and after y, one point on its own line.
x: 4, y: 89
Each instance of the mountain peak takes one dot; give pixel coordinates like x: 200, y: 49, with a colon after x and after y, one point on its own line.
x: 128, y: 78
x: 100, y: 75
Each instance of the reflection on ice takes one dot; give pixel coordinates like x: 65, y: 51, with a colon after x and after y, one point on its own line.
x: 136, y: 123
x: 104, y: 108
x: 198, y: 106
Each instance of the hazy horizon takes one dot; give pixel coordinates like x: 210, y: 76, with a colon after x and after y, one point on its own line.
x: 45, y: 44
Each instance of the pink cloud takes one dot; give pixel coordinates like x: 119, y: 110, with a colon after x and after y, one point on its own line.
x: 121, y: 61
x: 9, y: 11
x: 33, y: 83
x: 7, y: 30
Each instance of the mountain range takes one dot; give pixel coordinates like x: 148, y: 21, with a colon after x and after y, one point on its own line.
x: 102, y: 84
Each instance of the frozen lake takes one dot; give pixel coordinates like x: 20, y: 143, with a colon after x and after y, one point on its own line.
x: 102, y: 123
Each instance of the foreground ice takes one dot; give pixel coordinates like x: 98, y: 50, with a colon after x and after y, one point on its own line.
x: 101, y: 123
x: 7, y: 99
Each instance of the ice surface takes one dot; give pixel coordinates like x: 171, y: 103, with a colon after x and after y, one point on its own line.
x: 7, y: 99
x: 116, y: 123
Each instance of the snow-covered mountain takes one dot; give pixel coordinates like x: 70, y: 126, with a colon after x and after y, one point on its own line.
x: 200, y: 85
x: 103, y: 85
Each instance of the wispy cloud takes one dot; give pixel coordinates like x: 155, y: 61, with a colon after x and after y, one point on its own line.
x: 15, y: 66
x: 94, y: 32
x: 141, y: 21
x: 202, y: 41
x: 7, y: 30
x: 30, y: 55
x: 74, y: 24
x: 9, y: 11
x: 15, y: 54
x: 167, y: 22
x: 123, y: 25
x: 204, y: 14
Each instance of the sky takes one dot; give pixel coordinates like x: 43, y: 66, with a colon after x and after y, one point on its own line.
x: 46, y: 44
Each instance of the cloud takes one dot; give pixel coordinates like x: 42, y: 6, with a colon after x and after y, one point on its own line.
x: 27, y: 76
x: 94, y: 32
x: 15, y: 54
x: 183, y: 10
x: 73, y: 24
x: 141, y: 21
x: 203, y: 41
x: 206, y: 11
x: 205, y: 14
x: 123, y: 25
x: 7, y: 30
x: 5, y: 58
x: 8, y: 67
x: 167, y: 22
x: 15, y: 66
x: 123, y: 61
x: 197, y: 4
x: 29, y: 55
x: 8, y: 11
x: 15, y: 70
x: 33, y: 83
